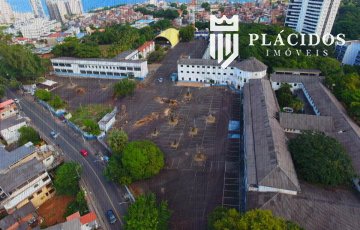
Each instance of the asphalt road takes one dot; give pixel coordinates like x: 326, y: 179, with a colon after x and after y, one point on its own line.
x: 104, y: 195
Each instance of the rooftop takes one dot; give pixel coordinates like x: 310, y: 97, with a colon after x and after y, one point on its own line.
x: 88, y: 218
x: 268, y: 159
x: 19, y: 214
x: 10, y: 158
x: 6, y: 103
x: 250, y: 65
x: 293, y: 78
x: 125, y: 55
x: 69, y: 225
x: 306, y: 122
x: 10, y: 122
x: 21, y: 174
x: 95, y: 60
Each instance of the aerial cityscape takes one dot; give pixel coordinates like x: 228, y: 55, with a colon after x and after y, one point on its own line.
x: 155, y: 114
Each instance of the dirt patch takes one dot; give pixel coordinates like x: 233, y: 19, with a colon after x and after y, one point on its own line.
x: 53, y: 210
x: 164, y: 100
x: 80, y: 91
x: 147, y: 119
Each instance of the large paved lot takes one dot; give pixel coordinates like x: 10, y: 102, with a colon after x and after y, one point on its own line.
x: 193, y: 178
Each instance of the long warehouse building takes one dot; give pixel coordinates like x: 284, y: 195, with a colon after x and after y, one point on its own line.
x: 100, y: 68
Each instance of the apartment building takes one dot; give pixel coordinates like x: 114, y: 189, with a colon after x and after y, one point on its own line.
x: 6, y: 13
x: 38, y: 8
x: 37, y: 28
x: 60, y: 10
x: 349, y: 53
x: 312, y: 16
x: 26, y: 183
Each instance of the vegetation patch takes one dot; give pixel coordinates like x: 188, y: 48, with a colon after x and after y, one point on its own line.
x: 124, y: 87
x: 223, y: 218
x: 145, y: 213
x: 138, y: 160
x: 53, y: 100
x: 28, y: 134
x: 87, y: 117
x: 287, y: 99
x: 321, y: 159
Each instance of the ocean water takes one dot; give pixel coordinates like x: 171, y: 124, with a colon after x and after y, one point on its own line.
x: 24, y: 5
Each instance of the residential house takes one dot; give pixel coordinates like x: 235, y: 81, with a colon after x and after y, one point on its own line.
x: 9, y: 129
x: 77, y: 222
x: 24, y: 218
x: 146, y: 49
x: 8, y: 109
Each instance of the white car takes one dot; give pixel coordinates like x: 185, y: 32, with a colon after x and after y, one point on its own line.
x: 16, y: 100
x: 160, y: 80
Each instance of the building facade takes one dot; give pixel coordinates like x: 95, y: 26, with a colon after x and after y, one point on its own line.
x: 8, y: 109
x: 349, y: 53
x: 312, y: 16
x: 37, y: 8
x: 146, y: 49
x: 100, y: 68
x: 37, y: 28
x: 60, y: 10
x: 207, y: 71
x: 6, y: 13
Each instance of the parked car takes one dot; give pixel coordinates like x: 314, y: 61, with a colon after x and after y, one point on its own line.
x: 84, y: 152
x: 54, y: 134
x: 161, y: 80
x: 356, y: 182
x: 111, y: 216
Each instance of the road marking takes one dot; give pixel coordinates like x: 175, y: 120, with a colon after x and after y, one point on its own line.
x: 103, y: 187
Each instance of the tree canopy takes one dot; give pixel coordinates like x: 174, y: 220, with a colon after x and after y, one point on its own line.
x: 124, y: 87
x: 145, y: 213
x: 286, y: 98
x: 187, y: 33
x: 347, y: 19
x: 67, y: 178
x: 72, y: 47
x: 222, y: 218
x: 139, y: 160
x: 321, y: 159
x: 28, y: 134
x: 117, y: 140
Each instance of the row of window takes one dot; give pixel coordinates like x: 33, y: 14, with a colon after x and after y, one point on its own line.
x: 231, y: 74
x: 202, y: 66
x: 103, y: 73
x: 61, y: 64
x: 205, y: 81
x: 64, y: 71
x: 111, y: 67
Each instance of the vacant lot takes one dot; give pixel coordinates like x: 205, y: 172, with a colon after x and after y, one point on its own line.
x: 53, y: 210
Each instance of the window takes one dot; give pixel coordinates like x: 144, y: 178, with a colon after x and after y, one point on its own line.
x: 231, y: 74
x: 295, y: 84
x: 197, y: 72
x: 203, y: 72
x: 89, y: 72
x: 189, y: 78
x: 30, y: 197
x: 52, y: 190
x: 46, y: 178
x: 224, y: 73
x: 122, y: 68
x: 36, y: 185
x: 182, y: 78
x: 63, y: 70
x: 129, y: 68
x: 181, y: 65
x: 181, y: 71
x: 192, y: 71
x: 39, y: 192
x: 57, y: 70
x: 208, y: 72
x: 277, y: 83
x: 70, y: 71
x: 55, y: 64
x: 102, y: 73
x: 96, y: 72
x: 61, y: 64
x: 109, y: 73
x: 137, y: 69
x: 244, y: 80
x: 117, y: 74
x: 187, y: 71
x: 197, y: 79
x: 68, y: 65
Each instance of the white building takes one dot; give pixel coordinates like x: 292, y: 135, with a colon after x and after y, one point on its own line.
x: 6, y: 13
x: 37, y: 27
x: 60, y: 10
x: 349, y: 53
x: 100, y: 68
x: 206, y: 71
x: 146, y: 48
x: 312, y: 16
x: 9, y: 129
x: 108, y: 121
x: 37, y: 8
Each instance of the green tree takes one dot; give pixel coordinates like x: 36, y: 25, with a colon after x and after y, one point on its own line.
x: 2, y: 90
x: 91, y: 127
x: 145, y: 213
x: 206, y: 6
x: 187, y: 33
x: 117, y: 140
x: 124, y: 87
x: 142, y: 159
x: 43, y: 95
x: 321, y: 159
x: 222, y: 218
x: 156, y: 56
x: 28, y: 134
x: 67, y: 178
x: 78, y: 205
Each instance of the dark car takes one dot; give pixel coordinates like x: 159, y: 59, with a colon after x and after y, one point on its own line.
x: 111, y: 216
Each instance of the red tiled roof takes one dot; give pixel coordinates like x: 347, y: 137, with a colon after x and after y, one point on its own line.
x: 73, y: 216
x: 88, y: 218
x: 6, y: 103
x: 146, y: 44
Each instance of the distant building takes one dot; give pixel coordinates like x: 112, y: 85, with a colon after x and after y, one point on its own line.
x: 9, y: 129
x: 37, y: 28
x: 146, y: 48
x: 21, y: 218
x: 312, y: 17
x: 77, y: 222
x: 61, y: 10
x: 26, y: 183
x: 108, y: 121
x: 37, y: 8
x: 349, y: 53
x: 207, y: 71
x: 8, y: 109
x: 6, y: 13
